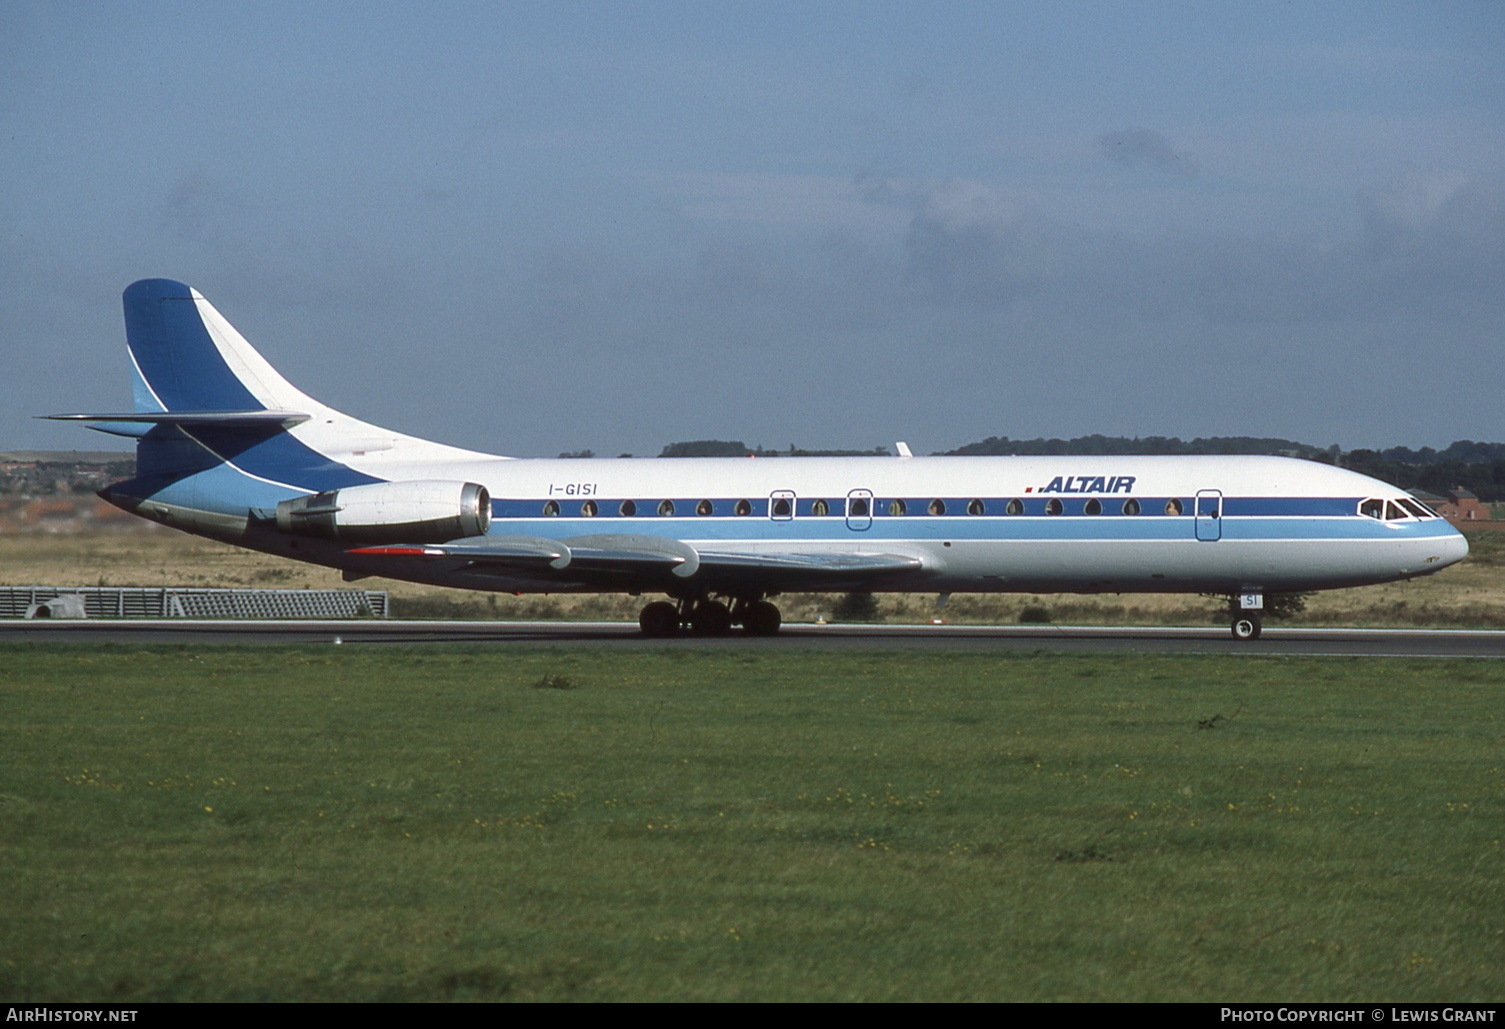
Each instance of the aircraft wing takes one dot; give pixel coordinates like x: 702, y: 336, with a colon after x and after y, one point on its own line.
x: 498, y: 551
x: 607, y: 555
x: 649, y: 561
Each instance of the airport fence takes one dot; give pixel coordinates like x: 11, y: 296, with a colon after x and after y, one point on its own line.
x: 173, y: 602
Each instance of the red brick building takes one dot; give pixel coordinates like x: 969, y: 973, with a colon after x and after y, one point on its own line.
x: 1458, y: 505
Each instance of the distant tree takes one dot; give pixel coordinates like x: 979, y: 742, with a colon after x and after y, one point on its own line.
x: 856, y: 607
x: 726, y: 448
x: 1285, y: 605
x: 706, y: 448
x: 578, y: 453
x: 1114, y: 445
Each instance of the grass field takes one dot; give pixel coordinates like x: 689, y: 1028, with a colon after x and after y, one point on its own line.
x: 426, y: 824
x: 1471, y: 595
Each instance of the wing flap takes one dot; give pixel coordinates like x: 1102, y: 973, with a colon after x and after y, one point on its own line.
x: 814, y: 562
x: 503, y: 551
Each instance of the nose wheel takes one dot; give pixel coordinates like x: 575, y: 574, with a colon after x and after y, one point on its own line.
x: 1246, y: 627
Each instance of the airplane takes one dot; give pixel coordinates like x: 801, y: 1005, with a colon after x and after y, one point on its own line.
x: 229, y: 449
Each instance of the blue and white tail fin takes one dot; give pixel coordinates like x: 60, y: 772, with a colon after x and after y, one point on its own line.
x: 216, y: 424
x: 187, y: 357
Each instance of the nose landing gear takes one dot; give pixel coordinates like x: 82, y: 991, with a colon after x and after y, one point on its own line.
x: 1245, y: 609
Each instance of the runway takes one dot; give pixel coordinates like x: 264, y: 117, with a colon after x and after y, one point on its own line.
x: 1387, y: 643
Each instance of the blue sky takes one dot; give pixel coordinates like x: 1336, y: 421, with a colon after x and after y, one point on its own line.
x: 531, y: 228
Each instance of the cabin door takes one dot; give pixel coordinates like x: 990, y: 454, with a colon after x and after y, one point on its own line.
x: 1209, y: 515
x: 860, y: 510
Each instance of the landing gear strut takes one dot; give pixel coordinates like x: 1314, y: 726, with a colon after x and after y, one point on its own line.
x: 706, y: 617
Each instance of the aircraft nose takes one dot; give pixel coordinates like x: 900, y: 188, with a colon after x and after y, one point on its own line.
x: 1454, y: 548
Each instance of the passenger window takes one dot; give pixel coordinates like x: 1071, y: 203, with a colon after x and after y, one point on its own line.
x: 1015, y: 507
x: 551, y: 509
x: 1173, y: 507
x: 897, y: 508
x: 1372, y: 509
x: 628, y: 509
x: 1131, y: 507
x: 666, y: 508
x: 975, y: 507
x: 781, y: 507
x: 703, y: 508
x: 819, y: 509
x: 1394, y: 512
x: 1053, y: 506
x: 937, y: 507
x: 1093, y: 507
x: 588, y: 509
x: 858, y: 508
x: 743, y: 507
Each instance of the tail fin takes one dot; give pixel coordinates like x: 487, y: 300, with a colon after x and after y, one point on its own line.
x: 187, y: 357
x: 218, y: 430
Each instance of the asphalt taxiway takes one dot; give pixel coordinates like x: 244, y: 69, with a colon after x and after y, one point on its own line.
x: 1062, y: 639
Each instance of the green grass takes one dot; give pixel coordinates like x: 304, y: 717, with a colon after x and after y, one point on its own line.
x: 426, y: 824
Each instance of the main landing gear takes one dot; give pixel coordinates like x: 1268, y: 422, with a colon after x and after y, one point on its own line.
x: 703, y: 616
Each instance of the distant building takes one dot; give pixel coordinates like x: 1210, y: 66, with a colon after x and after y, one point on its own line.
x: 1458, y: 505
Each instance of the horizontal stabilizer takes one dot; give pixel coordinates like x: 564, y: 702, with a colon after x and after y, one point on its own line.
x: 215, y: 418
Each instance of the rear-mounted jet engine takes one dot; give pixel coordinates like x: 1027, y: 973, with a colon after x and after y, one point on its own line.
x: 390, y: 512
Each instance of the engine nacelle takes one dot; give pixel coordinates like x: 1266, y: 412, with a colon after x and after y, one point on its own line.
x: 424, y: 511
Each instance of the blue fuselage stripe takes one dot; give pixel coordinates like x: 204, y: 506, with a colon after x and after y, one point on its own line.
x: 948, y: 507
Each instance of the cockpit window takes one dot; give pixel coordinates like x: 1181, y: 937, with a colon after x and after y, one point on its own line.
x: 1394, y: 512
x: 1372, y: 508
x: 1417, y: 508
